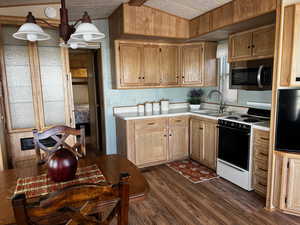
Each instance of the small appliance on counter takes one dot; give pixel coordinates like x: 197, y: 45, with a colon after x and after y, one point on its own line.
x: 234, y: 161
x: 148, y: 107
x: 156, y: 107
x: 251, y: 75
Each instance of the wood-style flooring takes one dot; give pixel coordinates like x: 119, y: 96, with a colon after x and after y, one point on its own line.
x: 173, y: 200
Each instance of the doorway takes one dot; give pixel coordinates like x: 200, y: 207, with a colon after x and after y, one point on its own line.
x: 86, y: 70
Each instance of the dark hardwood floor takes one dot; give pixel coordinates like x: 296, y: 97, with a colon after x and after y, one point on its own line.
x: 173, y: 200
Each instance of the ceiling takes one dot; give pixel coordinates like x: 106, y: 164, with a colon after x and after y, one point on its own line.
x: 103, y: 8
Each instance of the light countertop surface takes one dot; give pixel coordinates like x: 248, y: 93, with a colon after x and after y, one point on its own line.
x: 180, y: 112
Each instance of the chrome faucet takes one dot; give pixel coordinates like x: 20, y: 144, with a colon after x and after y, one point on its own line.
x: 222, y: 102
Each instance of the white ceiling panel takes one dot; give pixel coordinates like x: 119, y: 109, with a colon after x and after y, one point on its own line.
x: 186, y: 8
x: 103, y: 8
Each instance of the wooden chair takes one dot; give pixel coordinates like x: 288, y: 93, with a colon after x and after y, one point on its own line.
x: 76, y: 205
x: 59, y: 134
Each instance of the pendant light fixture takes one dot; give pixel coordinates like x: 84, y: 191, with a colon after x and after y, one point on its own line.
x: 85, y: 31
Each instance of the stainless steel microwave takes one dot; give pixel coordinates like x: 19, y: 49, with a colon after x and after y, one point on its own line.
x: 251, y: 75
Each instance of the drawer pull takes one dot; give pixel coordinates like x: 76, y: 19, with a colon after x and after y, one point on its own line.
x: 262, y: 184
x: 265, y: 139
x: 200, y: 128
x: 151, y: 124
x: 178, y: 121
x: 263, y: 169
x: 263, y: 154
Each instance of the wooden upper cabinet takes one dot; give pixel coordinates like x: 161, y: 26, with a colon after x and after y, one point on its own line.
x: 210, y: 65
x: 130, y: 64
x: 147, y: 21
x: 290, y: 66
x: 257, y: 43
x: 263, y: 42
x: 246, y: 9
x: 192, y: 64
x: 151, y: 141
x: 179, y: 137
x: 169, y: 65
x: 200, y: 25
x: 222, y: 16
x: 151, y: 70
x: 240, y: 46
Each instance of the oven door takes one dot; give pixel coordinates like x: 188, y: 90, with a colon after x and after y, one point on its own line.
x: 234, y: 146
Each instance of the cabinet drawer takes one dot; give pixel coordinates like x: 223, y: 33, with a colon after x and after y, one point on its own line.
x: 261, y: 153
x: 178, y: 121
x: 260, y: 185
x: 150, y: 124
x: 261, y: 168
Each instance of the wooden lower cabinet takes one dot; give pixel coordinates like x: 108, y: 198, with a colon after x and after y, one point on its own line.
x: 151, y: 141
x: 260, y: 161
x: 203, y: 141
x: 179, y: 137
x: 148, y: 142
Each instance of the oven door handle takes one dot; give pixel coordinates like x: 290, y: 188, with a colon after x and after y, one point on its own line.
x: 259, y: 76
x: 245, y: 132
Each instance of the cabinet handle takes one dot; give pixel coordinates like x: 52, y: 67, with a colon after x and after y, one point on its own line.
x: 143, y: 78
x: 140, y: 78
x: 178, y: 121
x: 264, y: 154
x: 200, y: 128
x: 249, y: 46
x: 182, y: 76
x: 265, y: 139
x: 151, y: 123
x: 263, y: 170
x: 253, y: 46
x: 170, y: 135
x: 165, y: 135
x: 262, y: 184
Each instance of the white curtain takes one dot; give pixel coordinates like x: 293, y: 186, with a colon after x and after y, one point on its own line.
x: 230, y: 96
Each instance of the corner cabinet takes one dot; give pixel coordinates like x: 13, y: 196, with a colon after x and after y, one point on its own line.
x: 156, y: 65
x: 252, y: 44
x: 148, y: 142
x: 203, y: 141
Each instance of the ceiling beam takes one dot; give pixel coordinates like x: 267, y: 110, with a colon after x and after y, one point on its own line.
x: 137, y: 2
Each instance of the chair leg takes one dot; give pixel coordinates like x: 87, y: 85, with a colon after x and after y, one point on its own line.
x: 124, y: 202
x: 18, y: 203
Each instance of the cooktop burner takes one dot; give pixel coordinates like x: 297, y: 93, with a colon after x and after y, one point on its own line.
x: 251, y: 120
x: 232, y: 117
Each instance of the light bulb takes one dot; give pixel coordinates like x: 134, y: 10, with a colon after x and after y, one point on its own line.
x: 32, y: 37
x: 74, y: 45
x: 88, y: 37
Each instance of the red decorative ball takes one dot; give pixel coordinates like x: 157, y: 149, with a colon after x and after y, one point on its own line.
x: 62, y: 166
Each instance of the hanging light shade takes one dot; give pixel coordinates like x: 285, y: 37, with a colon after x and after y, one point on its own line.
x: 30, y: 31
x: 87, y: 32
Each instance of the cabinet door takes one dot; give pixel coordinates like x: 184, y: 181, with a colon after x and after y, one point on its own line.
x: 222, y: 16
x: 263, y: 42
x: 169, y: 65
x: 151, y: 141
x: 245, y: 9
x: 192, y: 64
x: 151, y: 70
x: 200, y: 25
x: 131, y: 64
x: 178, y: 137
x: 293, y: 185
x: 210, y: 145
x: 196, y: 139
x: 240, y: 46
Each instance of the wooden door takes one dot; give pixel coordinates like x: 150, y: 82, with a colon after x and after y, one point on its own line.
x: 192, y: 64
x: 151, y: 141
x: 240, y: 46
x: 151, y: 69
x: 169, y: 65
x: 196, y: 139
x: 264, y: 41
x: 131, y: 64
x: 178, y: 137
x: 210, y: 145
x: 293, y: 185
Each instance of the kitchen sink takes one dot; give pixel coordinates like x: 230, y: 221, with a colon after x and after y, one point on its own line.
x: 211, y: 112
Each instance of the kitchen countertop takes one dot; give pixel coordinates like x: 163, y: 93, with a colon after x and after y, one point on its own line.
x: 181, y: 112
x: 262, y: 126
x: 170, y: 113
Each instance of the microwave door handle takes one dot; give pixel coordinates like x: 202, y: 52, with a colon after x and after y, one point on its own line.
x: 259, y: 77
